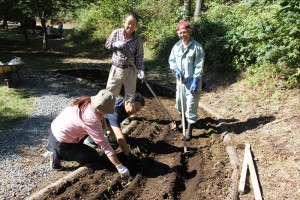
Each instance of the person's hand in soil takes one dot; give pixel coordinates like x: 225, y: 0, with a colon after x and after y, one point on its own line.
x: 124, y: 172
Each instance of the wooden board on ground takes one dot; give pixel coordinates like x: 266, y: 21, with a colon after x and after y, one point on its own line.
x: 248, y: 162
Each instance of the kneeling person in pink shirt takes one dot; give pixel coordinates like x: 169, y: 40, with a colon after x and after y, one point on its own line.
x: 84, y: 117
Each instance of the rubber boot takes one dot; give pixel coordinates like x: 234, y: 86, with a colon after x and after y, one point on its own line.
x: 189, y: 131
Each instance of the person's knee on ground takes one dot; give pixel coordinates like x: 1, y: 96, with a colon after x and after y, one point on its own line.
x: 81, y: 153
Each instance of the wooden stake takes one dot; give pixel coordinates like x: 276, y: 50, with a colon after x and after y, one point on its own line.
x: 248, y: 162
x: 244, y: 171
x: 254, y: 180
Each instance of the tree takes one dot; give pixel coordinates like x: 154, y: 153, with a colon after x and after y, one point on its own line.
x: 47, y: 10
x: 7, y: 10
x: 44, y: 10
x: 187, y: 4
x: 198, y: 9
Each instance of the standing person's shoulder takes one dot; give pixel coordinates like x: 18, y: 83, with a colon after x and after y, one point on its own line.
x: 118, y: 30
x: 119, y: 101
x: 136, y: 36
x: 195, y: 42
x: 178, y: 43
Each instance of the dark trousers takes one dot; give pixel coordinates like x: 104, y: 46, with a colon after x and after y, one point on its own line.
x: 73, y: 151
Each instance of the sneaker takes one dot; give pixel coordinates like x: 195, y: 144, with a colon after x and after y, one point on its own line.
x: 55, y: 162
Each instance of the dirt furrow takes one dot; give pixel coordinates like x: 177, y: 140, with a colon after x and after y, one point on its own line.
x: 163, y: 172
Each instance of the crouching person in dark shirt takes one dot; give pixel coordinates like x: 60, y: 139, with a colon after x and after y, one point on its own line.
x: 123, y: 108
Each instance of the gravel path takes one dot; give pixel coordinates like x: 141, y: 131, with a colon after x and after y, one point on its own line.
x: 22, y: 165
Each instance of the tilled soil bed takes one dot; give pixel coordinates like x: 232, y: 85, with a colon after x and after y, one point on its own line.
x: 163, y: 171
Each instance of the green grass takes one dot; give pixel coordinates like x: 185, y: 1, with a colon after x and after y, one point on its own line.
x: 14, y: 105
x: 13, y: 34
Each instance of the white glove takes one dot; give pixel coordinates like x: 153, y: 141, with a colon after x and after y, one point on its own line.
x: 119, y: 44
x: 123, y: 171
x: 141, y: 74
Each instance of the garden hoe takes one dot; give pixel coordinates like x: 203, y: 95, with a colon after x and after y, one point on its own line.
x: 173, y: 123
x: 185, y: 151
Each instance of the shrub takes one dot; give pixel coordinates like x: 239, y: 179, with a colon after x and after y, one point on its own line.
x: 258, y: 32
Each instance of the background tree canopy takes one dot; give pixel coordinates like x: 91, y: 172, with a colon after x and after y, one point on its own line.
x: 256, y: 37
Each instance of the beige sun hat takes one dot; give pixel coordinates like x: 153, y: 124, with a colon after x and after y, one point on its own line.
x: 104, y: 101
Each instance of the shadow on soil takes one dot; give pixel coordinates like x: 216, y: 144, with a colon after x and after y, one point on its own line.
x: 250, y: 124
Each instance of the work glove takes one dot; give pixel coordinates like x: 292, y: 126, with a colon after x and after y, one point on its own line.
x: 141, y: 74
x: 132, y: 158
x: 194, y: 86
x: 177, y: 73
x: 119, y: 44
x: 123, y: 171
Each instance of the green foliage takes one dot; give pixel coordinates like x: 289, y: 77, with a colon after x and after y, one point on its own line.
x: 264, y: 74
x: 258, y: 32
x: 159, y: 24
x: 294, y: 79
x: 13, y: 106
x: 163, y: 42
x: 272, y: 75
x: 212, y: 35
x: 156, y: 25
x: 237, y: 36
x: 98, y: 20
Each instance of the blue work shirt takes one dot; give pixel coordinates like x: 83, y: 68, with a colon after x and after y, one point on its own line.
x: 119, y: 114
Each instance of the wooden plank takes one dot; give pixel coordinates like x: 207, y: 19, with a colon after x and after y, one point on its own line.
x: 233, y: 193
x: 244, y: 169
x: 254, y: 179
x: 58, y: 183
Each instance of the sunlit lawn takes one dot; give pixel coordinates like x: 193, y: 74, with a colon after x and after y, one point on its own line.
x: 14, y: 105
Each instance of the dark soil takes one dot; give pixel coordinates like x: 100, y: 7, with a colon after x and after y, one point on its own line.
x: 163, y: 171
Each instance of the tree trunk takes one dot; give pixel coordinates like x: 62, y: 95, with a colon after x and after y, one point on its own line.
x: 5, y: 24
x: 24, y: 30
x: 45, y: 38
x: 187, y: 9
x: 198, y: 9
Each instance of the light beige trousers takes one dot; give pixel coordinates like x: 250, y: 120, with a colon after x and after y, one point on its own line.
x: 121, y: 76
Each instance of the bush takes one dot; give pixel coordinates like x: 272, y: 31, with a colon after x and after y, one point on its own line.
x: 100, y: 19
x: 258, y: 32
x: 236, y: 36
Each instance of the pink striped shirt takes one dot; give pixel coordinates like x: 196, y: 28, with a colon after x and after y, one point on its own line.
x: 68, y: 127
